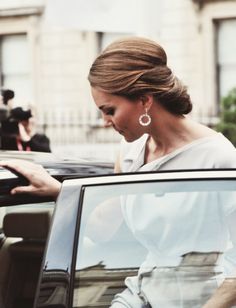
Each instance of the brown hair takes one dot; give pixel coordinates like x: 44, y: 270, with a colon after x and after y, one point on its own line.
x: 135, y: 66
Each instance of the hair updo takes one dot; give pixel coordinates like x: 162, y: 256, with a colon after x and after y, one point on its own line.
x: 135, y: 66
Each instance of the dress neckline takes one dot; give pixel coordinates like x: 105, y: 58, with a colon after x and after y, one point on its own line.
x: 164, y: 158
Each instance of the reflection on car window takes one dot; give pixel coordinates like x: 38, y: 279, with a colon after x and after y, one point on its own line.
x: 163, y: 244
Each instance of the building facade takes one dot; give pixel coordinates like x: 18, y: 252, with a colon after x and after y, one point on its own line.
x: 47, y: 65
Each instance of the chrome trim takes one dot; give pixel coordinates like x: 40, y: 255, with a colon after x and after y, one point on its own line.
x: 152, y: 176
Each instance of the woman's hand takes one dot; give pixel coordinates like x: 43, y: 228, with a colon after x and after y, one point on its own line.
x: 23, y: 134
x: 41, y: 182
x: 27, y: 129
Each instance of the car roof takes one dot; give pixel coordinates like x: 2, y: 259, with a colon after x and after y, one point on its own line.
x: 28, y: 155
x: 57, y: 165
x: 45, y: 157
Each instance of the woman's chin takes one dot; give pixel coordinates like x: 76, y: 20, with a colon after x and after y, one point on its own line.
x: 132, y: 138
x: 129, y: 138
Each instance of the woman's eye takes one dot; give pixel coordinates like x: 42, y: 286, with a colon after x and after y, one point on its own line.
x: 110, y: 111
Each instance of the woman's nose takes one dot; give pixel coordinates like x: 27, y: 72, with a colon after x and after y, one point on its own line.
x: 107, y: 121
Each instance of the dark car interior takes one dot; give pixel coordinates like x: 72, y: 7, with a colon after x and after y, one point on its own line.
x: 23, y: 234
x: 23, y: 241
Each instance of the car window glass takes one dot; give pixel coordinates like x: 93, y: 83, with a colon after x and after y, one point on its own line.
x: 138, y: 240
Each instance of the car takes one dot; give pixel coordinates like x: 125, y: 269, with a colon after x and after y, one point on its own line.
x: 29, y: 207
x: 109, y: 230
x: 56, y: 166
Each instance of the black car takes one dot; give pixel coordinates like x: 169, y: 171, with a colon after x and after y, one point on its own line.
x: 172, y: 234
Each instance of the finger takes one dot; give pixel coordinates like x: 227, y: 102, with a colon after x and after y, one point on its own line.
x: 22, y: 190
x: 41, y: 182
x: 14, y: 164
x: 26, y: 168
x: 30, y: 189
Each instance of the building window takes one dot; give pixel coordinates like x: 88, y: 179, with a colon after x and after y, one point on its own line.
x: 15, y: 66
x: 226, y: 51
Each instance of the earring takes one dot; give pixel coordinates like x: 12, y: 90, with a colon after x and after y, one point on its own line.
x: 145, y: 119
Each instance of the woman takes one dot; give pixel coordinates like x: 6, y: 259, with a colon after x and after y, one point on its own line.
x: 141, y: 98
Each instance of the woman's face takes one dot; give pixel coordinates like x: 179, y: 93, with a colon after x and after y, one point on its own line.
x: 121, y: 113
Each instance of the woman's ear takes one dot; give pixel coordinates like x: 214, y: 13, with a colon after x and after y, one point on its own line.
x: 147, y: 101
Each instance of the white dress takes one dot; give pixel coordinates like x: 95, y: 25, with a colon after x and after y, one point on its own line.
x: 209, y: 152
x: 169, y: 288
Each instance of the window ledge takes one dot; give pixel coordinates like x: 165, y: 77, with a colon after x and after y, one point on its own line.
x: 23, y: 11
x: 201, y: 3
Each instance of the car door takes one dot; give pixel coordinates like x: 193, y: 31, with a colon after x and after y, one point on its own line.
x: 164, y: 239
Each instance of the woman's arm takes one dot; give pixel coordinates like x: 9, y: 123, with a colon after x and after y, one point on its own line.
x: 105, y: 220
x: 225, y: 295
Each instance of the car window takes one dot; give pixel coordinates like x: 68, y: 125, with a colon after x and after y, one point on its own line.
x: 162, y: 244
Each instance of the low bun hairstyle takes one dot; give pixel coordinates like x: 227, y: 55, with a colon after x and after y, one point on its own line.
x: 132, y: 67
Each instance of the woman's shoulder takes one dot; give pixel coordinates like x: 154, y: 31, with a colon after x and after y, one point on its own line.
x: 214, y: 151
x: 220, y: 150
x: 220, y: 142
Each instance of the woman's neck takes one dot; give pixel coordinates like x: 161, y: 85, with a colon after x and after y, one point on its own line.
x: 172, y: 133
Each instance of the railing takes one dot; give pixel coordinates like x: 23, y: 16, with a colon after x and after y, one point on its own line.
x: 83, y: 133
x: 73, y: 135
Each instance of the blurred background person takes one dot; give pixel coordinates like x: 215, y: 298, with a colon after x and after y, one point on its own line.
x: 6, y: 101
x: 19, y: 132
x: 18, y: 127
x: 7, y: 96
x: 38, y: 142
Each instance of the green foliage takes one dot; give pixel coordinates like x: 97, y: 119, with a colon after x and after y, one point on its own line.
x: 227, y: 124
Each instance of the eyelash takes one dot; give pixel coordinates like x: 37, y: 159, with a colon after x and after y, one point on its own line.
x: 110, y: 111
